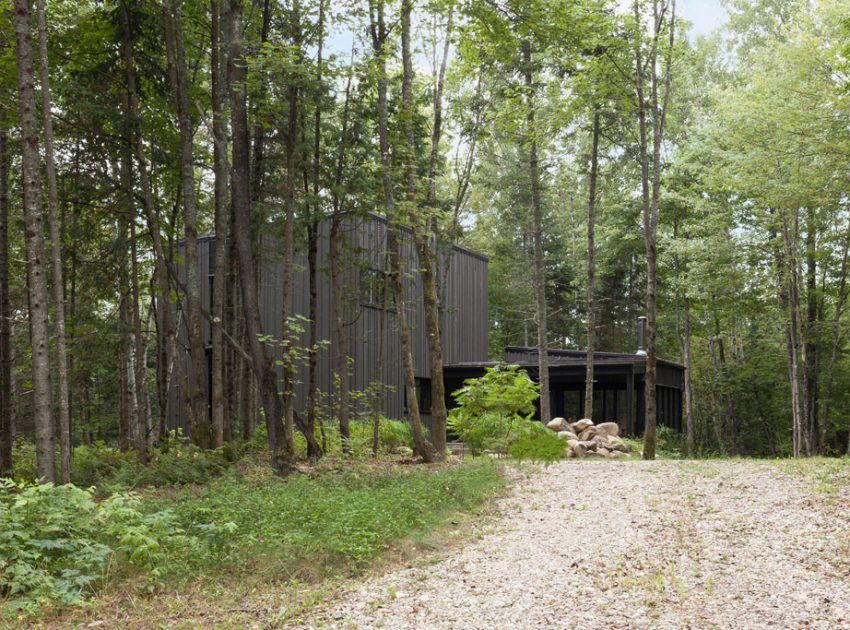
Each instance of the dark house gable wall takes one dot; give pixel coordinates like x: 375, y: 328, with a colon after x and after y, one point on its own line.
x: 464, y: 323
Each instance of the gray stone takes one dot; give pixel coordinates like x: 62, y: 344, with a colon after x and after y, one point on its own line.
x: 581, y: 425
x: 577, y: 448
x: 609, y: 428
x: 557, y: 424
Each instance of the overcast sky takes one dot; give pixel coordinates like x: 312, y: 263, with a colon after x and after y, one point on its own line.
x: 705, y: 15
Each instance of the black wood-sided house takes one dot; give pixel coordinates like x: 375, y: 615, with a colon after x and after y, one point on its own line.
x: 374, y: 341
x: 370, y: 315
x: 618, y: 391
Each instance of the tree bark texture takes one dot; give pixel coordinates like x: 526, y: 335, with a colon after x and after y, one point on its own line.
x: 591, y: 265
x: 261, y: 362
x: 537, y: 234
x: 64, y: 406
x: 6, y: 401
x: 34, y: 237
x: 199, y: 427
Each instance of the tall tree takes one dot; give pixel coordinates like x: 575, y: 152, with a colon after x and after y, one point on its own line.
x: 222, y: 222
x: 39, y: 305
x: 197, y: 408
x: 657, y: 107
x: 591, y: 263
x: 261, y: 362
x: 536, y: 230
x: 6, y: 402
x: 64, y: 415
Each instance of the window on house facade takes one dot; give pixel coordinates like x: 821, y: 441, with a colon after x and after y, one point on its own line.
x: 374, y: 289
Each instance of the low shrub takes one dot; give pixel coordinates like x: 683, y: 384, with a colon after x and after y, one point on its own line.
x: 495, y: 413
x: 537, y: 443
x: 179, y: 464
x: 94, y: 463
x: 57, y: 542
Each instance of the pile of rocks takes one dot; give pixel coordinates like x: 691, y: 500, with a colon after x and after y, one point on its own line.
x: 585, y: 439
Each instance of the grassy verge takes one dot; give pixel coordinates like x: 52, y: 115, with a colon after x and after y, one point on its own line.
x: 268, y: 547
x: 830, y: 476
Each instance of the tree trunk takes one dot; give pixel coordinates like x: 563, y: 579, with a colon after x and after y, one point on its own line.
x: 168, y: 358
x: 6, y: 400
x: 199, y: 428
x: 650, y: 206
x: 335, y: 241
x: 313, y: 237
x: 427, y: 249
x: 222, y: 223
x: 591, y: 265
x: 812, y: 366
x: 262, y: 364
x: 689, y: 392
x: 64, y: 414
x: 423, y: 447
x: 34, y: 238
x: 537, y: 235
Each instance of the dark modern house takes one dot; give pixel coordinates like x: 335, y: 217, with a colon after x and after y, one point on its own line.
x: 618, y: 385
x: 374, y: 340
x: 371, y: 319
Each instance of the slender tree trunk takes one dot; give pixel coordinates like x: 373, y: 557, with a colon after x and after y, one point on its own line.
x: 427, y: 249
x: 289, y: 368
x: 313, y: 234
x: 39, y: 305
x: 380, y: 34
x: 423, y: 447
x: 199, y: 417
x: 537, y: 235
x: 262, y: 364
x: 64, y: 416
x: 591, y: 265
x: 131, y: 322
x: 812, y: 366
x: 6, y: 400
x: 222, y: 223
x: 168, y: 358
x: 689, y: 392
x: 650, y: 205
x: 335, y: 244
x: 258, y: 133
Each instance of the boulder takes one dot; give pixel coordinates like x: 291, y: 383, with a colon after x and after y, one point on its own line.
x: 557, y: 424
x: 588, y: 445
x: 567, y: 434
x: 618, y: 445
x: 587, y: 434
x: 603, y: 450
x: 615, y: 454
x: 581, y: 425
x: 577, y: 448
x: 609, y: 428
x: 594, y: 454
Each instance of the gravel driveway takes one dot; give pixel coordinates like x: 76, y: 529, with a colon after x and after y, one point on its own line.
x: 601, y: 544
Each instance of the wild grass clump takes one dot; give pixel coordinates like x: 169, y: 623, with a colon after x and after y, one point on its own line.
x: 341, y: 518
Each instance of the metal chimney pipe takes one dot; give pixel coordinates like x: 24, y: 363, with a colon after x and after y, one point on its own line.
x: 641, y: 336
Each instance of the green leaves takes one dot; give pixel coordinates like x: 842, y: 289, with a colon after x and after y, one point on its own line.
x: 56, y: 542
x: 496, y: 410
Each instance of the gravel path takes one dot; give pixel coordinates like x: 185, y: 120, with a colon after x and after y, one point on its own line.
x: 587, y: 544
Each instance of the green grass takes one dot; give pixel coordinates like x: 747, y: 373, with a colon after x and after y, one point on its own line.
x: 828, y: 475
x: 250, y: 533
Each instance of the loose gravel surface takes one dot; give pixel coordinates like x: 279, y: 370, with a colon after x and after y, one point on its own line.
x: 601, y: 544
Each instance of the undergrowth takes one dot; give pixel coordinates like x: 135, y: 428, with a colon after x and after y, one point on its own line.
x: 60, y: 544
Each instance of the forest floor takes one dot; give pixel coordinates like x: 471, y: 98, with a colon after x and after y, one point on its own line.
x: 601, y: 544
